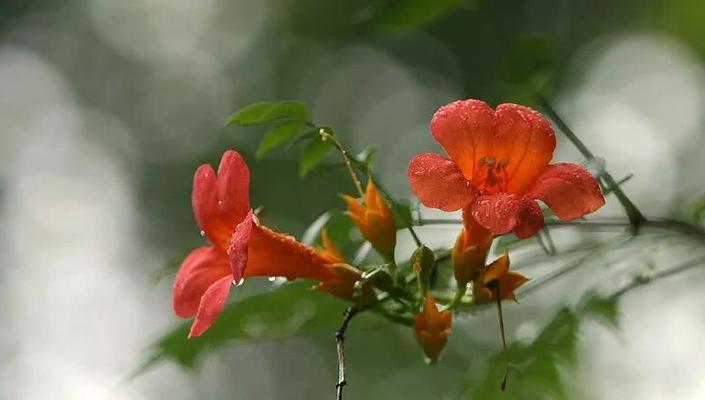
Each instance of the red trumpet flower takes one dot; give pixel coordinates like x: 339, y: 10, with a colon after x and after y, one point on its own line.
x: 498, y: 167
x: 240, y: 246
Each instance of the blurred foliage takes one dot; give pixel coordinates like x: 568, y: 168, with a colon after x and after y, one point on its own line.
x: 285, y: 311
x: 539, y: 369
x: 404, y: 14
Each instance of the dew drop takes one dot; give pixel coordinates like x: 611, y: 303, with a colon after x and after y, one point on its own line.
x: 272, y: 278
x: 202, y: 233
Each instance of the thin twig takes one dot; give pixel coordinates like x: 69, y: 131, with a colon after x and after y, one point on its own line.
x: 344, y: 154
x: 352, y: 161
x: 619, y: 183
x: 340, y: 345
x: 653, y: 223
x: 644, y: 280
x: 635, y: 216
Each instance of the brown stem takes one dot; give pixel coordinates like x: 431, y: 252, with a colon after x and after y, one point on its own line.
x: 340, y: 345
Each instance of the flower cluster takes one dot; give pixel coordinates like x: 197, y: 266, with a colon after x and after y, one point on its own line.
x: 497, y: 167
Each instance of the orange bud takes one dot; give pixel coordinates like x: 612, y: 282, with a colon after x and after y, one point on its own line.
x: 497, y: 280
x: 470, y: 250
x: 432, y: 328
x: 374, y: 219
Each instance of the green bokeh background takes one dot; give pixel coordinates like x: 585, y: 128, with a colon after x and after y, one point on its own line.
x: 155, y: 80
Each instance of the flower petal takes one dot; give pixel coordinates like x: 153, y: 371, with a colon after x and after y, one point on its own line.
x: 198, y: 271
x: 221, y: 201
x: 438, y: 183
x: 464, y: 128
x: 503, y: 212
x: 275, y: 254
x: 204, y: 198
x: 525, y: 140
x: 234, y: 185
x: 569, y: 190
x: 212, y: 303
x: 237, y: 251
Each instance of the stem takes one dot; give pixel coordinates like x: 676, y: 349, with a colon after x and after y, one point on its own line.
x: 653, y: 223
x: 645, y: 280
x: 340, y: 346
x: 349, y: 162
x: 635, y: 216
x: 503, y: 384
x: 620, y: 182
x: 457, y: 297
x: 344, y: 153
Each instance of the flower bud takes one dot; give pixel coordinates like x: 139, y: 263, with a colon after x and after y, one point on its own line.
x: 432, y: 328
x: 375, y: 220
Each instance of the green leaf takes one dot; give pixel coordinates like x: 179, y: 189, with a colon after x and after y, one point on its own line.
x: 605, y: 308
x: 267, y: 112
x: 290, y: 309
x: 401, y: 14
x: 313, y: 155
x: 403, y: 214
x: 278, y: 135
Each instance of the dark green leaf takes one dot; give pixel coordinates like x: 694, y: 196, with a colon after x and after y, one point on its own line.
x: 306, y: 135
x: 403, y: 214
x: 313, y: 155
x: 278, y: 135
x: 400, y: 14
x: 290, y: 309
x: 266, y: 112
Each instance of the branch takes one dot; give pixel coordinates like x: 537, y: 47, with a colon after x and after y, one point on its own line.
x: 668, y: 224
x: 644, y: 280
x: 351, y: 162
x: 636, y: 218
x: 349, y: 313
x: 344, y: 154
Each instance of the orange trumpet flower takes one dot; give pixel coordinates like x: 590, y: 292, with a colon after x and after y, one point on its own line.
x: 498, y: 167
